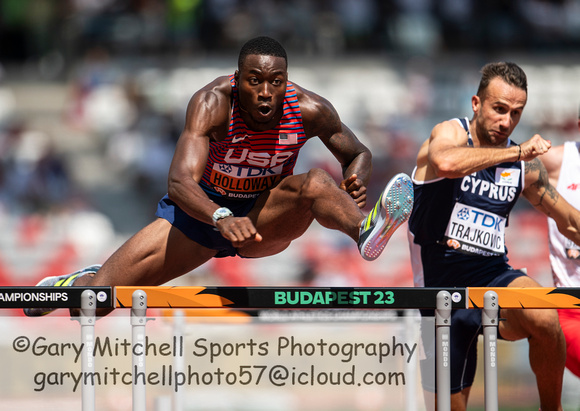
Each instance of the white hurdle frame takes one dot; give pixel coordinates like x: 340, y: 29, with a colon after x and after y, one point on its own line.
x: 138, y: 335
x: 442, y: 355
x: 87, y: 320
x: 490, y: 322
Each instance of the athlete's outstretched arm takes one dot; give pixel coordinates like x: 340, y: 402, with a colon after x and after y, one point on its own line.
x: 449, y: 156
x: 445, y: 154
x: 545, y: 198
x: 321, y: 119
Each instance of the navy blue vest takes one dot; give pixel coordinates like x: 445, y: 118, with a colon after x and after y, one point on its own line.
x: 459, y: 224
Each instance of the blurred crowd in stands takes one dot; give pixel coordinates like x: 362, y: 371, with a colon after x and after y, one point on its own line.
x: 34, y: 28
x: 83, y: 164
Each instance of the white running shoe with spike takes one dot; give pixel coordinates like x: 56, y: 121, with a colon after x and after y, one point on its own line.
x: 391, y: 210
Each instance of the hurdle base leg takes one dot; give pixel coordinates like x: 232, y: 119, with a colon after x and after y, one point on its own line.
x: 489, y: 321
x: 442, y: 354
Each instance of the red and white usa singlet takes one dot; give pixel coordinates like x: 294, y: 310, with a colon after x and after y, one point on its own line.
x: 248, y: 162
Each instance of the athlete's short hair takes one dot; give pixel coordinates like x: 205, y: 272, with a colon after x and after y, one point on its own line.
x: 262, y: 46
x: 509, y: 72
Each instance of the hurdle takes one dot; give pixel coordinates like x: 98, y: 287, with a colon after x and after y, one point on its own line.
x: 442, y: 300
x: 87, y: 299
x: 139, y: 299
x: 310, y: 298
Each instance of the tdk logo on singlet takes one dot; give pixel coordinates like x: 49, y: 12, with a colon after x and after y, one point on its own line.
x: 245, y: 172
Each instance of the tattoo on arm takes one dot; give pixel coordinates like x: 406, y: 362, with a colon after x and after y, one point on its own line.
x: 542, y: 184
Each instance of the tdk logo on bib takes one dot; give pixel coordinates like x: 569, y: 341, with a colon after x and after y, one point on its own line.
x: 479, y: 217
x: 475, y: 231
x: 463, y: 214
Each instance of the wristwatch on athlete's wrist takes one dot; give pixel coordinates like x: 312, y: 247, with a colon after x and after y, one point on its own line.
x: 220, y: 213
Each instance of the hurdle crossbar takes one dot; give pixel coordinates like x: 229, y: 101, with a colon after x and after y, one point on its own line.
x: 532, y: 297
x: 290, y: 297
x: 54, y: 297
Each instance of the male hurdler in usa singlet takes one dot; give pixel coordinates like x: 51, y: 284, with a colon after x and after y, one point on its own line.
x: 241, y: 167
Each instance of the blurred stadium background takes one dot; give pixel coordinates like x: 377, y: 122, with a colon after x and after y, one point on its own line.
x: 93, y: 95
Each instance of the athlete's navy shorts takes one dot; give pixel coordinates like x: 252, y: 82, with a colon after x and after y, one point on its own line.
x: 202, y: 233
x: 464, y: 332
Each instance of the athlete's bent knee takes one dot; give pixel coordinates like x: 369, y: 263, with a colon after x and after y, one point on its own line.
x: 315, y: 183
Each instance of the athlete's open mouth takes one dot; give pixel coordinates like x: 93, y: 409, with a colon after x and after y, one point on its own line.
x: 265, y: 110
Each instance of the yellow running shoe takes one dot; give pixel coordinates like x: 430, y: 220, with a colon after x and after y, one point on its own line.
x: 66, y: 280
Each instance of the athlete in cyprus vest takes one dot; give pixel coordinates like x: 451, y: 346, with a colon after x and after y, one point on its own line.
x: 457, y: 228
x: 564, y: 254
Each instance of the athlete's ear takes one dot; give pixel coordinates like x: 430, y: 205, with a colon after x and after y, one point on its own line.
x: 475, y: 103
x: 236, y: 76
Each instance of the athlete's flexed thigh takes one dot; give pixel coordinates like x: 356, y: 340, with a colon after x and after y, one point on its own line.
x: 284, y: 213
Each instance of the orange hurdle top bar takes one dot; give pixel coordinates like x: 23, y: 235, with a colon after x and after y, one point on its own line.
x: 533, y: 297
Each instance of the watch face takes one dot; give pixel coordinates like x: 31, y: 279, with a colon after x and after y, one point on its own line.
x: 221, y: 213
